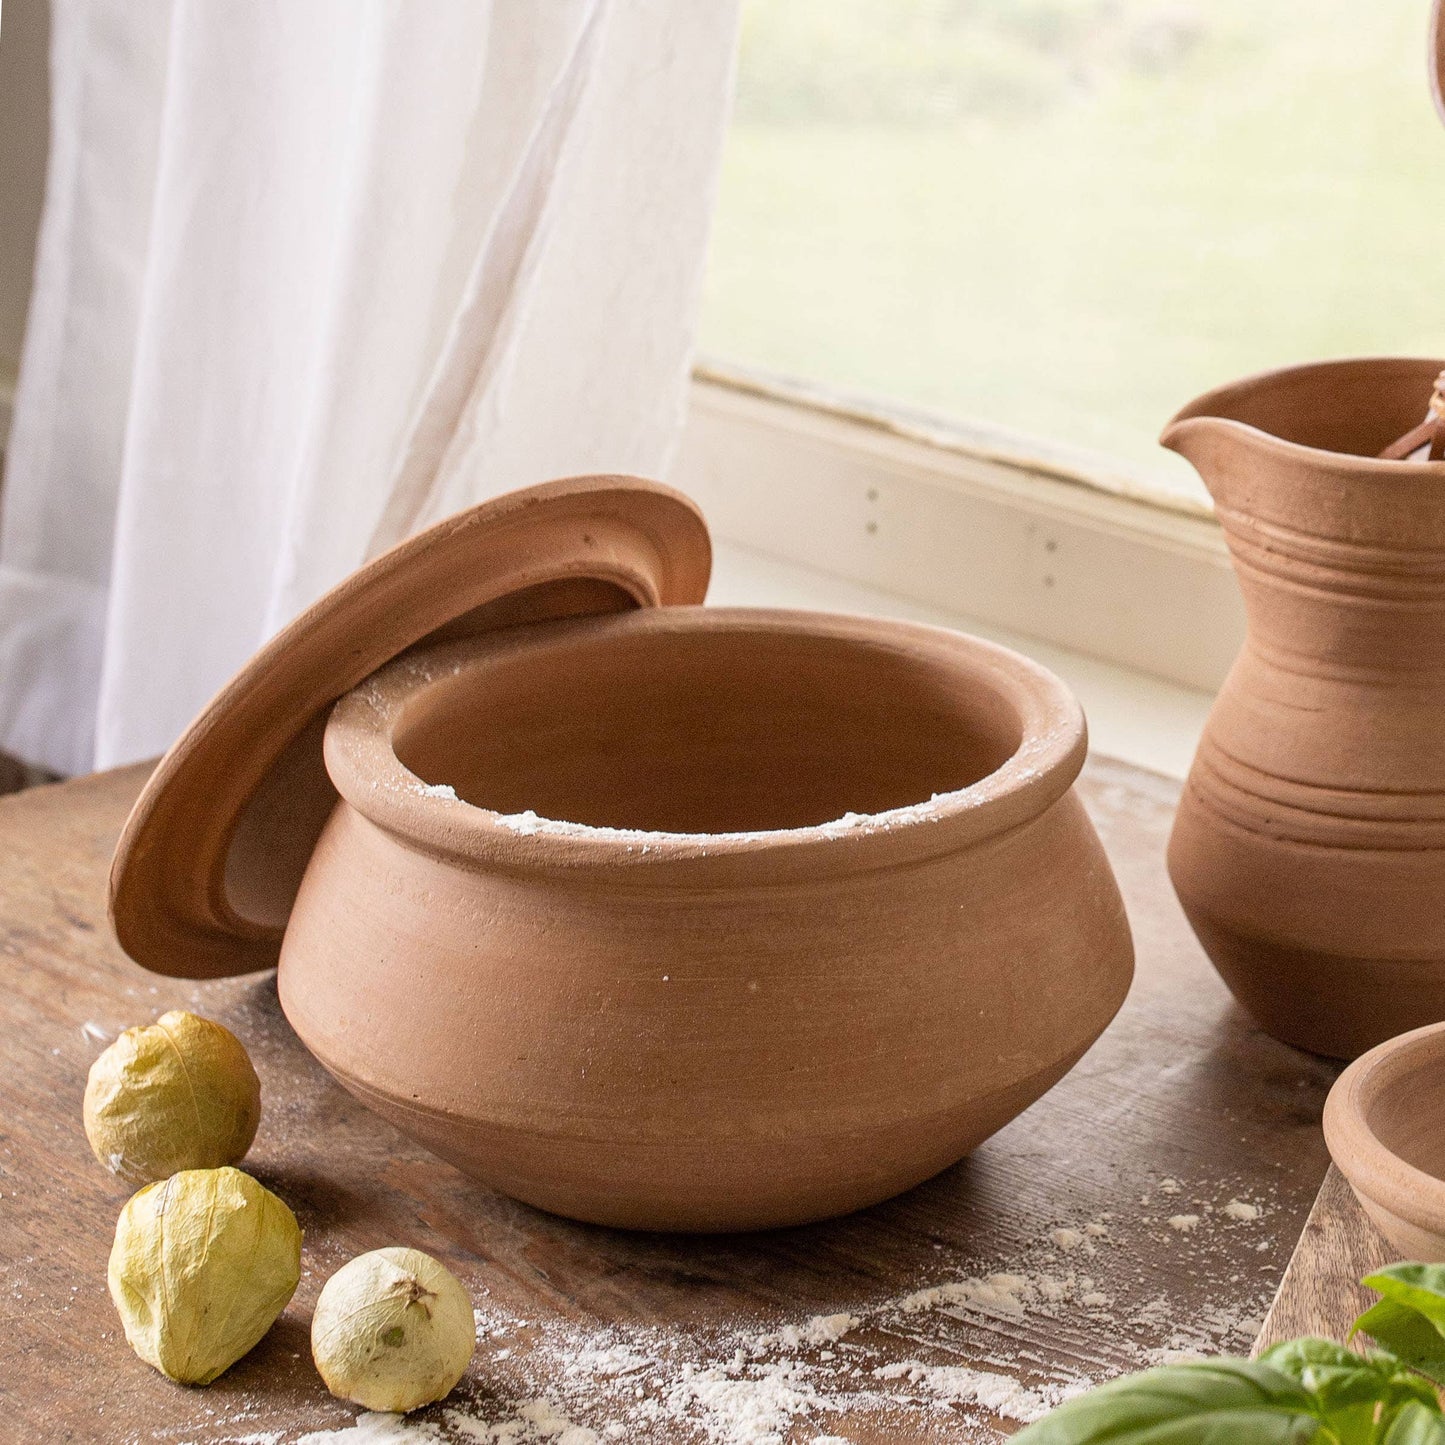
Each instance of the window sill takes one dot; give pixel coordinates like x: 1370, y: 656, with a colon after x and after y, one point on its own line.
x: 1021, y: 547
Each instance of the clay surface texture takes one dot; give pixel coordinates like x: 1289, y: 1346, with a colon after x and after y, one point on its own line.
x: 705, y: 919
x: 1385, y: 1127
x: 1309, y: 847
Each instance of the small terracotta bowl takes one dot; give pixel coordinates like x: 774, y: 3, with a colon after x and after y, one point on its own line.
x: 1385, y: 1127
x: 827, y: 912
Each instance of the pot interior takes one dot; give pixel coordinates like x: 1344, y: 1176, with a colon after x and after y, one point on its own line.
x: 1406, y: 1112
x: 706, y: 729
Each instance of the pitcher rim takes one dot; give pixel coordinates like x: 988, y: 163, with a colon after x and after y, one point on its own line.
x: 1204, y: 408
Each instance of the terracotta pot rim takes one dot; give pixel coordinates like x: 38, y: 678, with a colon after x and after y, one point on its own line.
x: 361, y: 757
x: 1213, y: 406
x: 1373, y: 1169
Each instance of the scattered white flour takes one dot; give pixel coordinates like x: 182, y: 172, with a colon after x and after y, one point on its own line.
x: 755, y: 1405
x: 374, y: 1429
x: 438, y: 790
x: 820, y: 1330
x: 1213, y: 1330
x: 535, y: 1420
x: 966, y: 1356
x: 998, y: 1294
x: 618, y: 1360
x: 524, y: 823
x: 958, y: 1385
x: 1169, y: 1186
x: 530, y: 822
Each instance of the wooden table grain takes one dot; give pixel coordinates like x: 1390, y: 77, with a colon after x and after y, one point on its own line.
x: 1321, y: 1293
x: 1093, y: 1235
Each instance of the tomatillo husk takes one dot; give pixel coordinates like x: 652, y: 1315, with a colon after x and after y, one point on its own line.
x: 393, y: 1330
x: 176, y: 1094
x: 203, y: 1262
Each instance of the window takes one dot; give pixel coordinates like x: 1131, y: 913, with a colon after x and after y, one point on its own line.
x: 1065, y: 218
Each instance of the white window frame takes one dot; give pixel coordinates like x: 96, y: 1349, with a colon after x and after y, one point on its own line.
x: 968, y: 521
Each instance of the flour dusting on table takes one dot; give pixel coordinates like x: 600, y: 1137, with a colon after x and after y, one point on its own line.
x: 948, y: 1359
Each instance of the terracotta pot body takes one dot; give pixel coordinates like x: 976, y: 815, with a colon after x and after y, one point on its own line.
x: 719, y: 1004
x: 1309, y: 847
x: 1385, y: 1125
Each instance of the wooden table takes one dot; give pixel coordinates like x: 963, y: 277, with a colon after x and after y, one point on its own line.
x: 1182, y: 1108
x: 1321, y: 1293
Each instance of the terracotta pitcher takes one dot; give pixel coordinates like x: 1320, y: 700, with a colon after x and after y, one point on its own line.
x: 1309, y: 848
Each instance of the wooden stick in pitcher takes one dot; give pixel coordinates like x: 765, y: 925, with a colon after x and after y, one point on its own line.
x: 1430, y: 432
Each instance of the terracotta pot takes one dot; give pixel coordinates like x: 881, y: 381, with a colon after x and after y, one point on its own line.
x: 1385, y: 1125
x: 720, y: 1004
x: 1309, y: 847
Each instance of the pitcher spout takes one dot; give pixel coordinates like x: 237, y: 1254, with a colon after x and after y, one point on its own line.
x: 1216, y: 446
x: 1330, y: 418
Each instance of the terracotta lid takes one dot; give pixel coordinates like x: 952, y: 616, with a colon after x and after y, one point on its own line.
x: 210, y: 859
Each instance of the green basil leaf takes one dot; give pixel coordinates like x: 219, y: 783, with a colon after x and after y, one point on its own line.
x: 1293, y: 1356
x: 1428, y: 1279
x: 1405, y: 1396
x: 1410, y: 1318
x: 1420, y: 1286
x: 1406, y: 1387
x: 1335, y: 1375
x: 1347, y: 1387
x: 1415, y: 1424
x: 1210, y: 1403
x: 1406, y: 1333
x: 1340, y: 1378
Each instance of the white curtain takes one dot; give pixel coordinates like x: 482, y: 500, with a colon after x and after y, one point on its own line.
x: 312, y: 275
